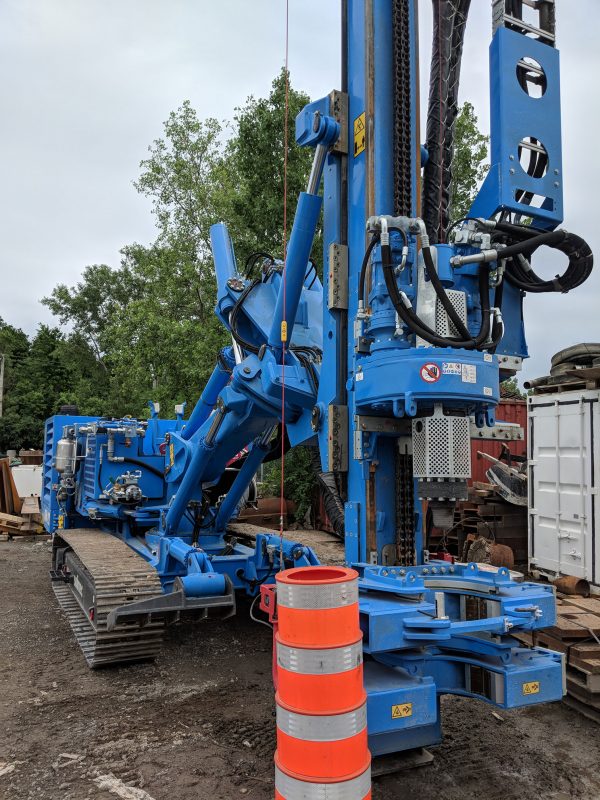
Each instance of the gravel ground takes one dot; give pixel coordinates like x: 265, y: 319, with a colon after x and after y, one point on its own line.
x: 198, y: 723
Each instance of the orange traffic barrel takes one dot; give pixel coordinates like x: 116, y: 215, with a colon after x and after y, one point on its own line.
x: 323, y: 746
x: 318, y: 606
x: 287, y: 787
x: 317, y: 680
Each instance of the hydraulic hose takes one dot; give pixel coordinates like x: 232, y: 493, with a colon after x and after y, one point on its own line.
x: 364, y: 267
x: 442, y: 296
x: 577, y: 250
x: 414, y: 322
x: 417, y: 326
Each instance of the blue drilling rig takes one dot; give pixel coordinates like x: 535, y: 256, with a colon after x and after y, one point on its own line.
x: 386, y: 365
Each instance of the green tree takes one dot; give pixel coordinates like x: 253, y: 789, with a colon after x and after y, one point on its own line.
x: 195, y: 176
x: 150, y: 322
x: 40, y: 376
x: 469, y: 165
x: 299, y: 480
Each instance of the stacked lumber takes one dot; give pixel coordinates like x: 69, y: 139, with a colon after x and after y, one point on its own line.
x: 577, y: 635
x: 10, y: 502
x: 19, y: 516
x: 485, y: 513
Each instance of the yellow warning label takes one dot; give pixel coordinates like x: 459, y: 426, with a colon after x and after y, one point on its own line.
x: 171, y: 454
x: 402, y: 710
x: 360, y: 134
x: 533, y: 687
x: 61, y: 521
x: 283, y: 330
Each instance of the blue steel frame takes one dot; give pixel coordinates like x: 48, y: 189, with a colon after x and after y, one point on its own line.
x: 418, y: 639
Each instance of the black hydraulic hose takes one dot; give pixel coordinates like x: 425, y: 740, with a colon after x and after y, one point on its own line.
x: 407, y: 315
x: 551, y: 239
x: 251, y: 348
x: 364, y: 266
x: 136, y: 461
x: 410, y: 318
x: 519, y: 231
x: 577, y: 250
x: 442, y: 296
x: 365, y: 262
x: 253, y: 258
x: 498, y: 295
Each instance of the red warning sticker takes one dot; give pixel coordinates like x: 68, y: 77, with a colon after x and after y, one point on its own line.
x: 430, y: 373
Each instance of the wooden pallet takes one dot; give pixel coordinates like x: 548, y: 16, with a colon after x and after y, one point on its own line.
x: 576, y: 634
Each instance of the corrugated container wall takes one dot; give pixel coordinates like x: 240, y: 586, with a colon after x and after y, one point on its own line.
x: 507, y: 411
x: 564, y: 470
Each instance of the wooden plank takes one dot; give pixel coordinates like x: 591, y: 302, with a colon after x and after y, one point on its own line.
x: 590, y: 680
x: 588, y: 666
x: 10, y: 521
x: 31, y: 505
x: 591, y: 604
x: 586, y: 650
x: 577, y: 688
x: 565, y: 628
x: 591, y: 622
x: 545, y: 639
x: 7, y: 497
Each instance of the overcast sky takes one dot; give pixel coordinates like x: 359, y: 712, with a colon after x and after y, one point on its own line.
x: 87, y: 85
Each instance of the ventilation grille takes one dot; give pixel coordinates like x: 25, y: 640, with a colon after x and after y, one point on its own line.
x: 443, y: 325
x: 441, y: 447
x: 89, y: 472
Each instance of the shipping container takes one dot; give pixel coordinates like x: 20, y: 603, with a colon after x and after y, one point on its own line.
x: 564, y: 463
x: 514, y: 411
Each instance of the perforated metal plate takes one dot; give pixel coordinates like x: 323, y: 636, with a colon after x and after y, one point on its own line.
x: 441, y: 446
x: 443, y: 325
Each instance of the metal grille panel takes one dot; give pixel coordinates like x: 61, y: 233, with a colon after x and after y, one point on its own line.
x: 443, y: 325
x: 89, y: 473
x: 441, y: 446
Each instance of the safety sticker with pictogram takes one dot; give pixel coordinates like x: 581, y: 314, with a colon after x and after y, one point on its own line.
x: 430, y: 373
x: 533, y: 687
x: 402, y: 710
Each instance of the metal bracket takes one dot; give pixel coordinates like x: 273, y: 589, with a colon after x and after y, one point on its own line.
x: 337, y: 452
x: 365, y: 425
x: 373, y: 424
x: 338, y: 108
x: 501, y: 431
x: 337, y: 296
x: 169, y: 607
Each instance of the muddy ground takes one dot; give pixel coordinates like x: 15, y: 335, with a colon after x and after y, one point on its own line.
x: 198, y: 723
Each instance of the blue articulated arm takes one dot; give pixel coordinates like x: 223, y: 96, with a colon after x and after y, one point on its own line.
x: 206, y: 403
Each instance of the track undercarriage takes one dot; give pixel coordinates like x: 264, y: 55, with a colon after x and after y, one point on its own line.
x: 93, y: 574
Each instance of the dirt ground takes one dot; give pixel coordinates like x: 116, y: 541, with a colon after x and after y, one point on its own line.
x: 198, y: 724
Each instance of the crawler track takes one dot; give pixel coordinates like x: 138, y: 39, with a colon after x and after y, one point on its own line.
x: 117, y: 576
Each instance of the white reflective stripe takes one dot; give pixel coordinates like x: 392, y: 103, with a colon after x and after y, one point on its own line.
x: 328, y: 661
x: 305, y: 596
x: 292, y: 789
x: 324, y: 728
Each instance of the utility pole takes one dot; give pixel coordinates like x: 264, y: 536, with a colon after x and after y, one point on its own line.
x: 2, y: 357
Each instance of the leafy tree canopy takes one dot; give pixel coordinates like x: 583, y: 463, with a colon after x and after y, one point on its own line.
x: 469, y: 165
